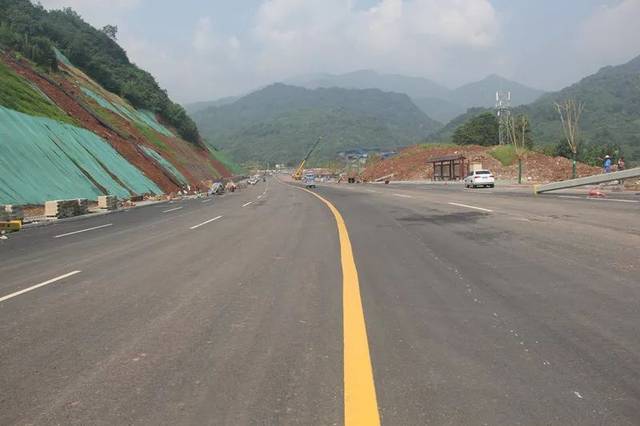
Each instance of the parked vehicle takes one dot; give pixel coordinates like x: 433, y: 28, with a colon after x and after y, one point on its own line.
x: 479, y: 178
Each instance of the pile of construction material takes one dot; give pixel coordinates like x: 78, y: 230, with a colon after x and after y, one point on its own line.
x: 108, y: 202
x: 10, y: 212
x: 66, y: 208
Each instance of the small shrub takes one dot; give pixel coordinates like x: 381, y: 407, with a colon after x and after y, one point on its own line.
x: 505, y: 154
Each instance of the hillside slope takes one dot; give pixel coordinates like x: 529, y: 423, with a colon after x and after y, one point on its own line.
x: 279, y: 122
x: 435, y: 100
x: 63, y: 135
x: 611, y: 114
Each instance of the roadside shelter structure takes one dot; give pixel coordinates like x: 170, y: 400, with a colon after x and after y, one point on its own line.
x: 449, y: 167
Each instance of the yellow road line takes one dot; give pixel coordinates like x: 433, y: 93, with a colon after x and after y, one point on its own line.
x: 360, y: 404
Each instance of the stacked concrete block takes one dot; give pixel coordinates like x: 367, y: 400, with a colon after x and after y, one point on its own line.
x: 66, y: 208
x: 10, y: 212
x: 108, y: 202
x: 83, y: 206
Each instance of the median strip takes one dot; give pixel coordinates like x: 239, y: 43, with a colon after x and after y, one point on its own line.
x: 472, y: 207
x: 205, y: 222
x: 172, y: 210
x: 26, y: 290
x: 83, y: 230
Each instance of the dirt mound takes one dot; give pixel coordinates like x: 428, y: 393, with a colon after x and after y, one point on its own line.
x: 411, y: 164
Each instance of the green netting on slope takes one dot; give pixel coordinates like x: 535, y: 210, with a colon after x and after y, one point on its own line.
x: 42, y: 159
x: 140, y: 116
x: 166, y: 165
x: 61, y: 58
x: 149, y: 118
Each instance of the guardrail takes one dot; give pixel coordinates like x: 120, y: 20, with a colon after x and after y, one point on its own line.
x: 589, y: 180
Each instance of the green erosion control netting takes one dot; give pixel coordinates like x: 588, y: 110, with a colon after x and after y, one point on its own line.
x: 167, y: 166
x: 140, y: 116
x: 43, y: 159
x: 61, y: 58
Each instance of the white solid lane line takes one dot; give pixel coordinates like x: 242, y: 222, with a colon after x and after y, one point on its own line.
x: 573, y: 197
x: 205, y: 222
x: 83, y: 230
x: 247, y: 204
x: 51, y: 281
x: 402, y: 195
x: 206, y: 201
x: 614, y: 199
x: 172, y: 210
x: 472, y: 207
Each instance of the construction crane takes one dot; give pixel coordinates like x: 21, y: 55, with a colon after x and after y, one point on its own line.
x: 298, y: 173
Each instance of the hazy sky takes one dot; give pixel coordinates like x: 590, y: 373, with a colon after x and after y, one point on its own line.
x: 202, y: 50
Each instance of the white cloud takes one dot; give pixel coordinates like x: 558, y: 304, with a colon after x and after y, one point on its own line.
x: 411, y: 35
x: 611, y: 34
x: 290, y: 37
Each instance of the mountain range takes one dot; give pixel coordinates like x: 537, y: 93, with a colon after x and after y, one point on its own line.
x: 279, y: 122
x: 437, y: 101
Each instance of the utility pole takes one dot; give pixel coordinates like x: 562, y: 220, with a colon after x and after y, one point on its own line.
x: 503, y: 113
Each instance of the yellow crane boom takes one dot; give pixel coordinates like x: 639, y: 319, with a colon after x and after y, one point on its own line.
x: 297, y: 175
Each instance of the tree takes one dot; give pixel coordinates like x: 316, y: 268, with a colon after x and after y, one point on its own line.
x: 479, y: 130
x: 519, y: 136
x: 111, y: 31
x: 570, y: 111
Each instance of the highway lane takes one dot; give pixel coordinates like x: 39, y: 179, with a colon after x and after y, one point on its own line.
x: 524, y: 312
x: 184, y: 326
x: 480, y: 308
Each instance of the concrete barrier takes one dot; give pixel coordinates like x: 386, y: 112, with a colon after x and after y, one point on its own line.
x: 108, y: 202
x: 66, y: 208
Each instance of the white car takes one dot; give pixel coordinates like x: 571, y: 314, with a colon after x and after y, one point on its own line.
x: 479, y: 178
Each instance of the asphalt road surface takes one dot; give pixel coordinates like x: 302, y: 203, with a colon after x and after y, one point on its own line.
x: 468, y: 307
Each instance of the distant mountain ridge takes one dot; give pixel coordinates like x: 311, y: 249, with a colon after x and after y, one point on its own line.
x: 436, y: 100
x: 278, y: 123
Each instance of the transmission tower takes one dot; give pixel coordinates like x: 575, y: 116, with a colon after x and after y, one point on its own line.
x: 503, y: 111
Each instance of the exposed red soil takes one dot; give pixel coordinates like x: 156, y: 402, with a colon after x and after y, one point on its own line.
x: 193, y: 162
x: 411, y: 164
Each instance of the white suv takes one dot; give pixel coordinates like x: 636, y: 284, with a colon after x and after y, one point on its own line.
x: 479, y: 178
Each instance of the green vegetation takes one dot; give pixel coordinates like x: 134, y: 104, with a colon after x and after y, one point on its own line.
x: 278, y: 123
x: 611, y: 119
x: 433, y: 99
x: 590, y: 153
x: 479, y: 130
x: 17, y: 93
x: 505, y: 154
x: 229, y: 164
x: 34, y: 31
x: 152, y: 136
